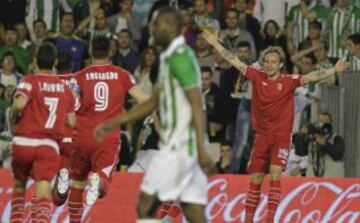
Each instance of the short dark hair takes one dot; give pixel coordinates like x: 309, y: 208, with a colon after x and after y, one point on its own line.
x: 206, y: 69
x: 100, y: 47
x: 355, y: 38
x: 232, y: 10
x: 7, y: 54
x: 327, y: 114
x: 65, y: 14
x: 126, y: 31
x: 174, y: 17
x: 315, y: 24
x: 64, y: 61
x: 46, y: 56
x: 226, y: 142
x: 243, y: 44
x: 40, y: 21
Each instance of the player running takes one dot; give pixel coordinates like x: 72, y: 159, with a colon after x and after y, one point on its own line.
x: 42, y: 106
x: 102, y: 91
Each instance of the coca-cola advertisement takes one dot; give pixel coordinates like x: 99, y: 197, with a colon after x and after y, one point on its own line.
x: 304, y: 200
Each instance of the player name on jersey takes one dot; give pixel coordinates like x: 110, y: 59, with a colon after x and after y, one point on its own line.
x: 51, y: 87
x: 102, y: 76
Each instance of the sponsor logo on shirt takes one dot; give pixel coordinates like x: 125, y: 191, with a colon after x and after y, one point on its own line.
x: 279, y: 86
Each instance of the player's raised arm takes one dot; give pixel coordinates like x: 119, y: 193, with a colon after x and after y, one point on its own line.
x: 135, y: 113
x: 229, y: 56
x: 315, y: 76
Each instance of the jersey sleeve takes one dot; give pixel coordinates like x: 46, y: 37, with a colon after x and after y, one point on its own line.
x: 24, y: 88
x: 183, y: 67
x: 128, y: 80
x: 295, y: 80
x: 252, y: 73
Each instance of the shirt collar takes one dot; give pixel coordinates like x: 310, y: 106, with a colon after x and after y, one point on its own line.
x: 178, y: 41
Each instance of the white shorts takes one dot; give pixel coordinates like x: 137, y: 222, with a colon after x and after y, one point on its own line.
x: 142, y: 161
x: 175, y: 177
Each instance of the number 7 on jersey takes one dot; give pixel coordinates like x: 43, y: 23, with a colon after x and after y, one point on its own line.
x: 52, y: 104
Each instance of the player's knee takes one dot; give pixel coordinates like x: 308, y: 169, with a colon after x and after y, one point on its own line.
x: 194, y: 213
x: 257, y: 178
x: 275, y: 173
x: 19, y: 186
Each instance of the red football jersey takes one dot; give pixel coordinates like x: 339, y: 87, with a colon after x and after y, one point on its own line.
x: 102, y: 90
x: 67, y: 78
x: 272, y: 101
x: 49, y: 103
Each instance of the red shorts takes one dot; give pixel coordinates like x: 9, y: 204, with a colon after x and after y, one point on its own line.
x: 91, y: 156
x: 269, y: 150
x: 66, y: 151
x: 41, y: 162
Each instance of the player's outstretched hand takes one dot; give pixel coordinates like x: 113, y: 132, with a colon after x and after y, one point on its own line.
x: 99, y: 132
x: 341, y: 66
x: 209, y: 37
x: 206, y: 163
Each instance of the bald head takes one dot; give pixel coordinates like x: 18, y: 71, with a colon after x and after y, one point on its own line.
x: 166, y: 25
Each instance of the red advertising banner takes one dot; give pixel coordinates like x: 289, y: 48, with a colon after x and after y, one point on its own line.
x: 303, y: 200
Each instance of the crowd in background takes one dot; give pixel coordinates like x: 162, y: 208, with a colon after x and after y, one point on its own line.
x: 314, y: 34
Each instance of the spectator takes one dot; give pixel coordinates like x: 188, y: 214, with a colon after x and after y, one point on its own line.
x: 22, y: 57
x: 66, y: 40
x: 22, y: 34
x: 127, y: 58
x: 353, y: 48
x: 326, y: 150
x: 300, y: 16
x: 203, y: 19
x: 343, y: 21
x: 203, y: 52
x: 322, y: 62
x: 5, y: 134
x: 223, y: 165
x: 249, y: 22
x: 264, y: 10
x: 8, y: 73
x: 145, y: 73
x: 126, y: 18
x: 2, y: 33
x: 212, y: 98
x: 243, y: 131
x: 232, y: 35
x: 220, y: 66
x: 85, y: 8
x: 48, y: 11
x: 142, y: 8
x: 273, y: 36
x: 190, y: 29
x: 314, y: 34
x: 101, y: 27
x: 39, y: 29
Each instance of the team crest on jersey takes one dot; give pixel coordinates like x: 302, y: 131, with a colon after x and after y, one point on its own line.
x: 279, y: 86
x: 283, y: 154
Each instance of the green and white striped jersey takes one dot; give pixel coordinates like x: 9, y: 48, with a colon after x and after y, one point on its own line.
x: 354, y: 61
x: 179, y: 71
x: 47, y: 10
x: 301, y: 24
x: 340, y: 25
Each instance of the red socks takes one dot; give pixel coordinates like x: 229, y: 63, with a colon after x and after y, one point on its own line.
x: 17, y: 207
x: 43, y: 210
x: 273, y: 199
x: 252, y: 201
x: 75, y: 205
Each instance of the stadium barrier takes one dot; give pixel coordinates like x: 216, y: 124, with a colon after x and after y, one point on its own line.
x: 343, y: 103
x: 303, y: 200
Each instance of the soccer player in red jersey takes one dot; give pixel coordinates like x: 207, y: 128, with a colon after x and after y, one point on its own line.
x: 62, y: 184
x: 42, y: 106
x: 102, y: 91
x: 272, y: 119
